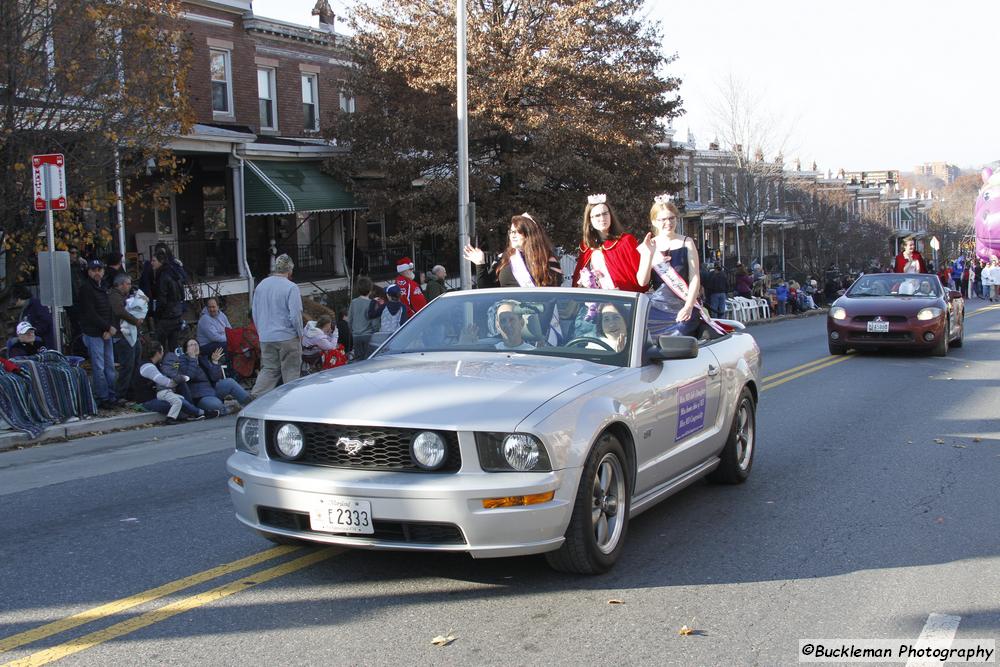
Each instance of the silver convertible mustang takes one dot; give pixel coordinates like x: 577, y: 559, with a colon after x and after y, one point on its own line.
x: 500, y: 422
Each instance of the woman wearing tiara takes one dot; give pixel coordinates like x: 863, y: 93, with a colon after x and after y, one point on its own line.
x: 671, y: 260
x: 608, y: 256
x: 528, y: 261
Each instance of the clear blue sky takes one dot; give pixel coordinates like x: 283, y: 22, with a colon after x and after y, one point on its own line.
x: 869, y: 85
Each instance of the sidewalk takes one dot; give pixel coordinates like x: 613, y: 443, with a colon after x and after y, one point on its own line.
x: 794, y: 316
x: 97, y: 425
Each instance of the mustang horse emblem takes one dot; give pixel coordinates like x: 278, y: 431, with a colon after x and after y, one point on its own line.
x: 352, y: 445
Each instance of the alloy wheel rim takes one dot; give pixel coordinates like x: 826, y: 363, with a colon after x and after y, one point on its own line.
x: 744, y: 436
x: 608, y: 509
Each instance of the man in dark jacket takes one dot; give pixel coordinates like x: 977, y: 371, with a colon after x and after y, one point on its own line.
x: 97, y: 325
x: 38, y: 315
x: 169, y: 299
x: 126, y: 354
x: 716, y: 288
x: 435, y: 283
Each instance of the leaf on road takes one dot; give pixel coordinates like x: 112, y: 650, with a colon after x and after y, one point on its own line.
x: 940, y: 519
x: 909, y: 442
x: 977, y: 440
x: 616, y: 601
x: 444, y: 640
x: 685, y: 631
x: 939, y: 441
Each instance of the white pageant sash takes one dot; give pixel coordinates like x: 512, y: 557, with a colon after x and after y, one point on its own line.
x: 679, y: 286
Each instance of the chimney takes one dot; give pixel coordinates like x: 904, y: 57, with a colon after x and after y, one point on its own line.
x: 325, y: 14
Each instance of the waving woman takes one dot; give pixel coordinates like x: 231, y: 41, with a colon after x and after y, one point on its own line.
x: 608, y: 256
x: 671, y: 260
x: 528, y: 261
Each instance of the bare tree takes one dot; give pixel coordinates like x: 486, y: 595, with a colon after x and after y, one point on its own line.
x: 754, y: 142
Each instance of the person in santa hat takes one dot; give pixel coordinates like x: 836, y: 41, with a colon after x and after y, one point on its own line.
x: 409, y: 290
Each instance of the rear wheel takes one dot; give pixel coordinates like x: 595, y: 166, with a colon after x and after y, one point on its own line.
x: 597, y: 528
x: 737, y: 455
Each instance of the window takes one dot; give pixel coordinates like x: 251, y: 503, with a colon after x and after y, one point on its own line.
x: 310, y: 103
x: 346, y: 102
x: 265, y: 99
x: 222, y: 93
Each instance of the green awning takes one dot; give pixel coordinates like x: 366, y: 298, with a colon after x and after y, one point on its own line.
x: 280, y: 188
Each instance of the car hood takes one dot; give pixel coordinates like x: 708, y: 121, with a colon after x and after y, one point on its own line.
x: 887, y: 305
x: 453, y: 391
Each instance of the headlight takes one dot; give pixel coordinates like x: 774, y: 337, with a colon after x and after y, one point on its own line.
x: 289, y: 441
x: 428, y: 449
x: 248, y: 435
x: 838, y: 313
x: 506, y: 452
x: 929, y: 313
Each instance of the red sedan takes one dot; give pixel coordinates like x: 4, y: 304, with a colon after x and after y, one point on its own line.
x: 897, y: 310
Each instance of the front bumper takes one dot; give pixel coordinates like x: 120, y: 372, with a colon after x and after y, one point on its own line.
x: 415, y: 510
x: 909, y: 334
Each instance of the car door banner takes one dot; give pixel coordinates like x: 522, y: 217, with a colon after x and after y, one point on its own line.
x: 690, y: 409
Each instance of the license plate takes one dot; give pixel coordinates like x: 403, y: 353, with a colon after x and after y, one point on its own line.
x: 336, y: 514
x: 878, y: 327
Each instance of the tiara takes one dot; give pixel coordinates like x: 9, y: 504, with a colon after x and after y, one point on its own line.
x: 528, y: 216
x: 597, y: 199
x: 663, y: 199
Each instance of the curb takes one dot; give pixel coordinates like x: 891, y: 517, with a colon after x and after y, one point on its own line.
x: 782, y: 318
x: 94, y: 426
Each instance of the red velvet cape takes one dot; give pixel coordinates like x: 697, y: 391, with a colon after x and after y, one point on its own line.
x: 622, y: 257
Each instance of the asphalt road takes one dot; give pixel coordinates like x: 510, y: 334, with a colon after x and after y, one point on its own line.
x: 872, y: 506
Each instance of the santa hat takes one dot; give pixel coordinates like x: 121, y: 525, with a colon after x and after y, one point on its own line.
x: 404, y: 264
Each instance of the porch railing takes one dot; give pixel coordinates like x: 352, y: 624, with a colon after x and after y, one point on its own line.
x: 202, y: 258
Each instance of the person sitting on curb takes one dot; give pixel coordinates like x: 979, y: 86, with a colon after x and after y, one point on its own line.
x: 205, y: 385
x: 27, y: 343
x: 320, y: 338
x: 37, y: 314
x: 155, y: 391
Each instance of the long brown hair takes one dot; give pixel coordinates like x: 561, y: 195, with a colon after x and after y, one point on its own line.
x: 537, y: 250
x: 591, y: 238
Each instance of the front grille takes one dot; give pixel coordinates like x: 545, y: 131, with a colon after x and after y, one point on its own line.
x: 905, y: 337
x: 390, y: 448
x: 390, y: 531
x: 861, y: 319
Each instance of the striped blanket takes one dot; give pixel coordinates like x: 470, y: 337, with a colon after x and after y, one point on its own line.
x: 18, y: 406
x: 57, y: 389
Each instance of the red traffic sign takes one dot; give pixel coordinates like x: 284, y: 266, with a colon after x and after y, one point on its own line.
x: 49, y: 178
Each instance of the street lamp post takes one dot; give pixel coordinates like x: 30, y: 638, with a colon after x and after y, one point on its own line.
x: 465, y: 270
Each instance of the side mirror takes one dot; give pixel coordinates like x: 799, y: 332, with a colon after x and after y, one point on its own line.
x: 955, y: 294
x: 673, y: 347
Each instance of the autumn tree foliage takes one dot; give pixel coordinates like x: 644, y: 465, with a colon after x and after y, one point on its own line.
x: 91, y: 79
x: 566, y: 98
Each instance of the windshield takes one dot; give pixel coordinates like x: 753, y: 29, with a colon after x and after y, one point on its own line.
x: 559, y: 323
x: 896, y: 284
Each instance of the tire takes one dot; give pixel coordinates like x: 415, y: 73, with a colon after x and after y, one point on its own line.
x: 737, y: 455
x: 837, y: 350
x: 958, y: 342
x: 284, y: 540
x: 941, y: 349
x: 597, y: 528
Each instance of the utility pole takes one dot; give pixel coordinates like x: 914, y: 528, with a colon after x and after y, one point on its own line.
x: 465, y: 270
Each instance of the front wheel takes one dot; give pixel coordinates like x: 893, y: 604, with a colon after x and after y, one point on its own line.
x: 961, y: 336
x: 596, y: 531
x: 941, y: 349
x: 737, y: 455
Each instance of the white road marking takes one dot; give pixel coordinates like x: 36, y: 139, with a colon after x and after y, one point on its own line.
x: 939, y: 632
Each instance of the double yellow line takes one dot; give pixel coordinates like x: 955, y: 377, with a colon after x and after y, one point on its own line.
x: 772, y: 381
x: 162, y: 613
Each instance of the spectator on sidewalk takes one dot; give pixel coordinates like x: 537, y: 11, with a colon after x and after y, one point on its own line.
x: 112, y: 267
x: 27, y: 343
x: 277, y: 313
x: 781, y: 295
x: 34, y: 312
x: 206, y: 385
x: 391, y: 313
x: 212, y: 327
x: 155, y: 390
x: 409, y: 291
x: 169, y: 299
x: 716, y: 288
x: 320, y: 338
x: 744, y: 282
x: 435, y: 283
x: 361, y: 326
x: 98, y: 326
x: 126, y: 348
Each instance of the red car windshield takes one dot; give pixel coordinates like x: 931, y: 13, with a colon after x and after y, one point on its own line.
x: 896, y: 285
